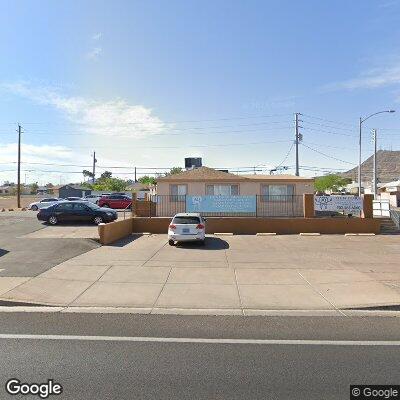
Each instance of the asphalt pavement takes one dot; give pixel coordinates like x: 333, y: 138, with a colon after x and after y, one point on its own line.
x: 27, y: 257
x: 120, y: 356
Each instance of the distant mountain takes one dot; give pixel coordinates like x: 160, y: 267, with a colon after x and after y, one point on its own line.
x: 388, y: 167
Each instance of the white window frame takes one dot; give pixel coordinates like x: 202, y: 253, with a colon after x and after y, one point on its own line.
x: 266, y: 191
x: 230, y: 185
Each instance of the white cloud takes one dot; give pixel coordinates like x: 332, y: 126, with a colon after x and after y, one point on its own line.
x: 374, y: 78
x: 34, y: 153
x: 95, y: 53
x: 97, y: 36
x: 112, y: 117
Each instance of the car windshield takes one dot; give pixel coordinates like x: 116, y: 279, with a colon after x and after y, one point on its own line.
x: 186, y: 220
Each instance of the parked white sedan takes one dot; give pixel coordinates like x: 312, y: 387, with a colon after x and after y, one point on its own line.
x: 186, y: 227
x: 47, y: 202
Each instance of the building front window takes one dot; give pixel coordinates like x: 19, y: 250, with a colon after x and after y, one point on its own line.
x: 178, y: 192
x: 222, y: 190
x: 276, y: 192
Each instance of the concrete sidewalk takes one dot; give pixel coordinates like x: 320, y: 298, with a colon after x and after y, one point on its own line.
x: 231, y: 275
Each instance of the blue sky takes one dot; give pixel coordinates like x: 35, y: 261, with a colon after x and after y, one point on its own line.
x: 147, y: 83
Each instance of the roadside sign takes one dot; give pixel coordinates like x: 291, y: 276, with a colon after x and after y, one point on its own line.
x: 338, y: 203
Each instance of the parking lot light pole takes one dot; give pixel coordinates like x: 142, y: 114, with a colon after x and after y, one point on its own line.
x: 362, y: 120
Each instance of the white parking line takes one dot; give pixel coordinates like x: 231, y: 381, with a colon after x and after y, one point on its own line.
x: 139, y: 339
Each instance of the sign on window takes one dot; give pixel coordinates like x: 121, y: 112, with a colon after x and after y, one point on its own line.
x: 338, y: 203
x: 220, y: 204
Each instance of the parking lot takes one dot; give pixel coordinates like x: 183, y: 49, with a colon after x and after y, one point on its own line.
x: 23, y: 254
x: 231, y: 274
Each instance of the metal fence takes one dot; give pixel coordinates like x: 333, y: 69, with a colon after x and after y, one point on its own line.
x: 395, y: 216
x: 266, y: 206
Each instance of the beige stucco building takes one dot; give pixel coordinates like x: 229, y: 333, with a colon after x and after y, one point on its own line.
x: 276, y: 189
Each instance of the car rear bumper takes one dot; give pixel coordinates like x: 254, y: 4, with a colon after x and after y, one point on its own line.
x: 186, y: 238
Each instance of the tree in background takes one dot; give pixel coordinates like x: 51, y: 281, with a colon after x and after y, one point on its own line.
x: 107, y: 183
x: 174, y: 170
x: 331, y: 182
x: 34, y: 188
x: 50, y: 188
x: 87, y: 174
x: 147, y: 180
x: 105, y: 175
x: 110, y: 185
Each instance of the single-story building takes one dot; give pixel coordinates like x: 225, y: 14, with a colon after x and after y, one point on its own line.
x: 276, y: 194
x: 73, y: 191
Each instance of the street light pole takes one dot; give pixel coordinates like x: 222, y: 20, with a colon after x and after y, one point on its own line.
x: 359, y: 143
x: 375, y: 177
x: 359, y: 158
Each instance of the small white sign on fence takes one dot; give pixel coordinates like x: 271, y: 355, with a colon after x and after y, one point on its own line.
x: 338, y: 203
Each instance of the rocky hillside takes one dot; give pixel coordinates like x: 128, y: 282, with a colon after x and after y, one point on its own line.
x: 388, y: 166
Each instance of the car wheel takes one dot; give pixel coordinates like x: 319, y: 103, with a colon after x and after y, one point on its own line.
x: 202, y: 242
x: 34, y: 208
x: 171, y: 242
x: 53, y: 220
x: 98, y: 220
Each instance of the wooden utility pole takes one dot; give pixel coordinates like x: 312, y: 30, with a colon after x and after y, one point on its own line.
x: 297, y: 142
x: 19, y: 168
x: 94, y: 167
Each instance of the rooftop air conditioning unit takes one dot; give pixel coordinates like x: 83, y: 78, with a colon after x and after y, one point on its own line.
x: 193, y: 162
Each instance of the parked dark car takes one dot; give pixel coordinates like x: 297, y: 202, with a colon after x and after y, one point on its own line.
x: 115, y: 201
x: 74, y: 211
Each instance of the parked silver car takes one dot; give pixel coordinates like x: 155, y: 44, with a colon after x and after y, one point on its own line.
x: 46, y: 202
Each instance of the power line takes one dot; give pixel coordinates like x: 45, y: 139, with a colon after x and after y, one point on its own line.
x: 181, y: 129
x: 127, y: 135
x: 329, y: 120
x: 329, y: 126
x: 170, y: 122
x: 329, y: 132
x: 286, y: 156
x: 184, y: 146
x: 326, y: 155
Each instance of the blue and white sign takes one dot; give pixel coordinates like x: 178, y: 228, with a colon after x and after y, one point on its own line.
x: 338, y: 203
x: 221, y: 204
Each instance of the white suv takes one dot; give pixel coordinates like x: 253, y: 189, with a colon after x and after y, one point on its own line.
x: 93, y: 198
x: 186, y: 227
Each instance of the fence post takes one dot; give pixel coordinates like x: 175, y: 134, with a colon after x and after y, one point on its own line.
x: 256, y: 205
x: 308, y: 205
x: 133, y: 207
x: 368, y: 211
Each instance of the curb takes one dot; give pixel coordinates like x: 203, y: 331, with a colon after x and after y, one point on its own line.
x: 201, y: 312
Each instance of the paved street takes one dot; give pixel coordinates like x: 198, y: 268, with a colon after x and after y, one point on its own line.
x: 138, y: 367
x: 230, y: 275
